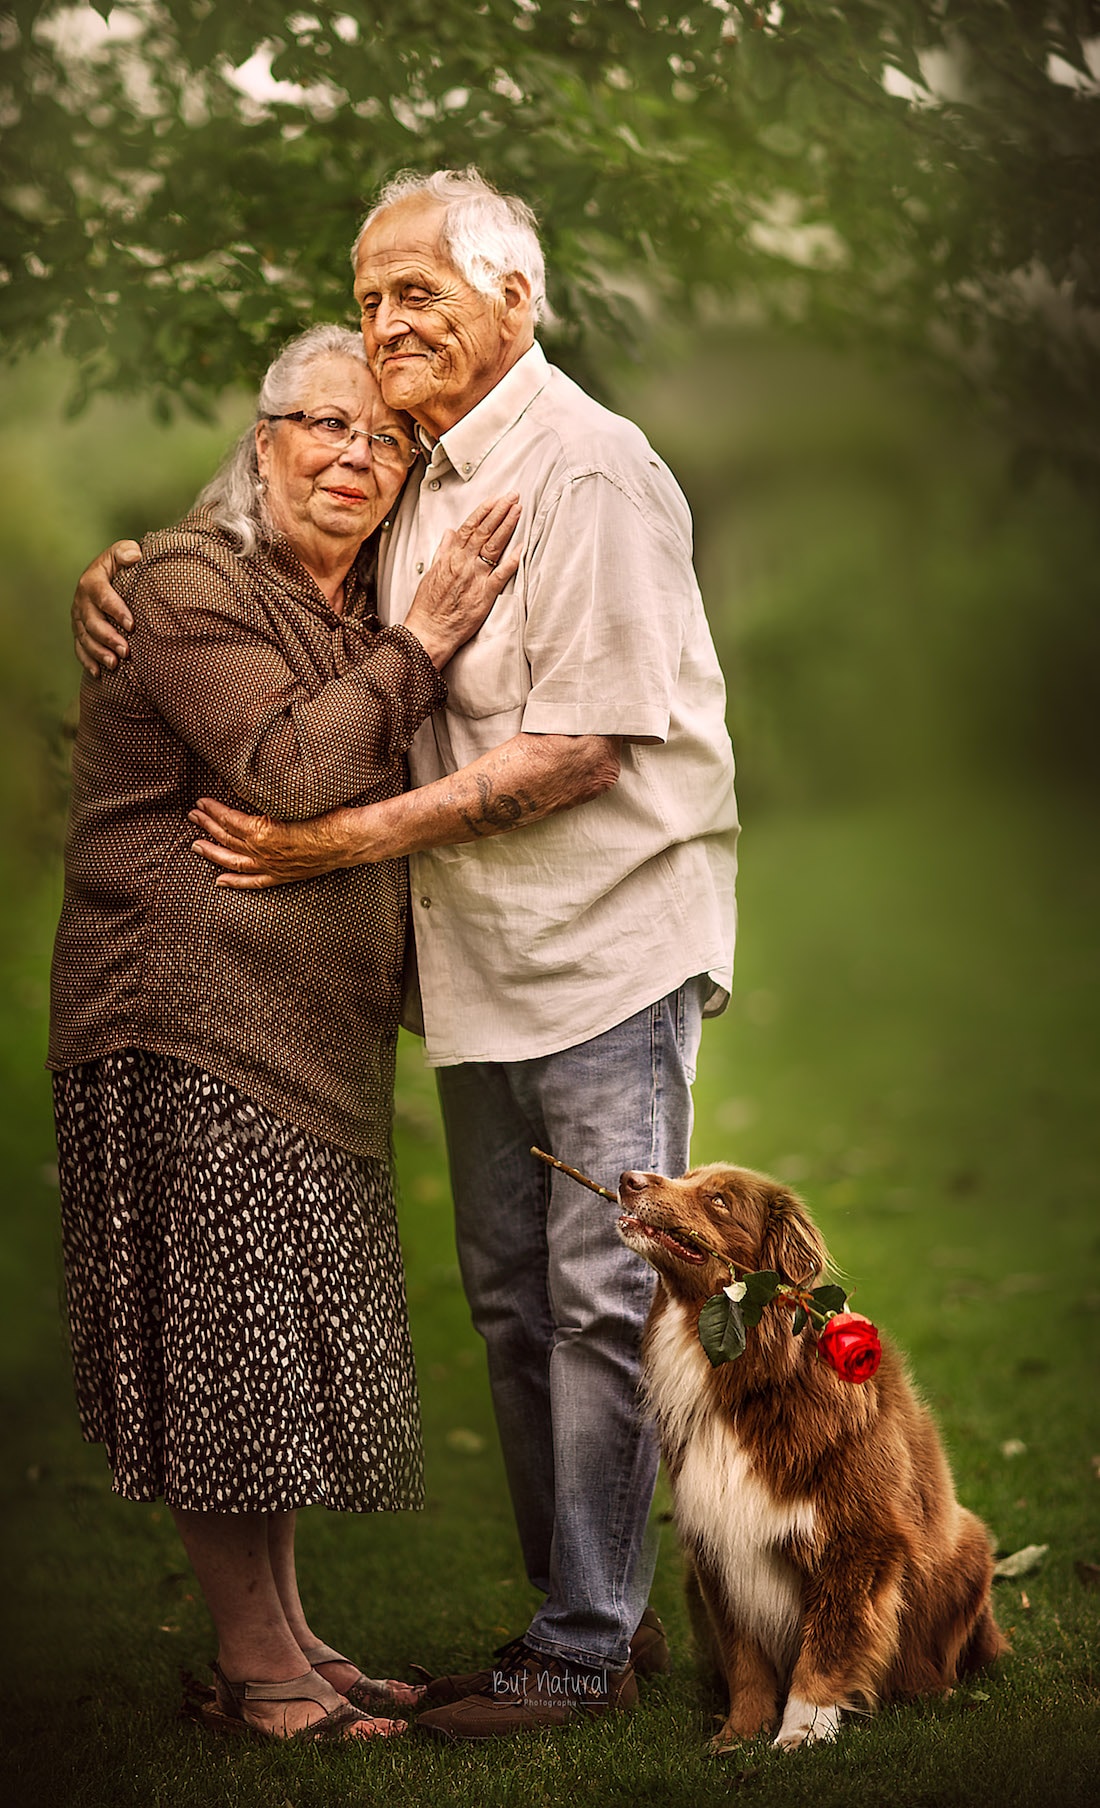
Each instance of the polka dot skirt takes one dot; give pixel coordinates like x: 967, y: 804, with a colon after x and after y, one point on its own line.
x: 236, y: 1297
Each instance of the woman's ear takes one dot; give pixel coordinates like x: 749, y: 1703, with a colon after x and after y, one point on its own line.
x: 263, y: 447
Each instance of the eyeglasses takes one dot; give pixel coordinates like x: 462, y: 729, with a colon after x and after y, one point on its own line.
x: 329, y: 430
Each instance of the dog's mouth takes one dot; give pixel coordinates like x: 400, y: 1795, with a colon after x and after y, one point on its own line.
x: 677, y: 1243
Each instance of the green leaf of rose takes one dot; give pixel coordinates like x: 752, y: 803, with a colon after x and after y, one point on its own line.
x: 800, y: 1321
x: 760, y: 1289
x: 829, y: 1299
x: 721, y: 1329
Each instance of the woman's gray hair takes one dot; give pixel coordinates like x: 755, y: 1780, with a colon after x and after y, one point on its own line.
x: 235, y: 495
x: 486, y: 235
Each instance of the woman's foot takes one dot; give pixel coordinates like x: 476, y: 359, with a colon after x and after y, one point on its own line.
x: 303, y: 1707
x: 365, y: 1692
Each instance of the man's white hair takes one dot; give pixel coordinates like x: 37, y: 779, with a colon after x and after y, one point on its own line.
x: 486, y: 235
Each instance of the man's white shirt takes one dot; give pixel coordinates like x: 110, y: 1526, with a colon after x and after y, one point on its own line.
x: 535, y: 940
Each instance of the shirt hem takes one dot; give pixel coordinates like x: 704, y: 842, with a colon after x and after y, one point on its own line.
x: 719, y: 973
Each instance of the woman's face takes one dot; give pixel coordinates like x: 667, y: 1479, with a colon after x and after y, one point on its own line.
x: 316, y: 494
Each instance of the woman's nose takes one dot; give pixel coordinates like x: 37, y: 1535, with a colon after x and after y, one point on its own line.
x: 359, y: 454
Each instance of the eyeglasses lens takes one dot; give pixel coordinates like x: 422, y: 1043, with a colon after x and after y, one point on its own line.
x: 386, y: 448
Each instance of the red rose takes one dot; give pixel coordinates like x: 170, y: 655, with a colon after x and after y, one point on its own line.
x: 850, y: 1344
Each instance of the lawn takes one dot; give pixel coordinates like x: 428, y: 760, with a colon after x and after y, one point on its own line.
x: 913, y: 1046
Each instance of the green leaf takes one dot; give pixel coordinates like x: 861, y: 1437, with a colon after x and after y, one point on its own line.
x: 760, y: 1289
x: 799, y: 1322
x: 829, y: 1299
x: 721, y: 1330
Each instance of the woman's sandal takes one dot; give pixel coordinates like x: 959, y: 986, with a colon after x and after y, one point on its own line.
x: 367, y: 1691
x: 225, y: 1712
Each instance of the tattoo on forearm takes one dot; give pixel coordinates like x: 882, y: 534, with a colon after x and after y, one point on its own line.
x: 496, y: 811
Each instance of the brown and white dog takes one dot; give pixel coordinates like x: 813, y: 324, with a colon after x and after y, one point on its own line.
x: 830, y: 1565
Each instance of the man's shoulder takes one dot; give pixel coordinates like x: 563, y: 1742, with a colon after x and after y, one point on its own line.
x: 581, y: 438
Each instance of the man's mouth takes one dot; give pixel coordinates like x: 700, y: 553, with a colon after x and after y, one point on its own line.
x: 678, y: 1243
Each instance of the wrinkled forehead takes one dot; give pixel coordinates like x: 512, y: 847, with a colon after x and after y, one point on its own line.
x: 352, y: 389
x: 404, y: 239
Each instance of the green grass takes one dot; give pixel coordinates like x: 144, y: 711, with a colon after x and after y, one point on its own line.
x: 913, y: 1046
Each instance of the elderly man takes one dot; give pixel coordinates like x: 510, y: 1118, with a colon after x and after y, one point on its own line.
x: 571, y: 839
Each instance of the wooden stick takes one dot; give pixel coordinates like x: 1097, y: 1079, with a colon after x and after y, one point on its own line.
x: 553, y: 1162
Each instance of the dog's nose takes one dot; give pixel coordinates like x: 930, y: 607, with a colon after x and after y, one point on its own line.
x: 629, y: 1182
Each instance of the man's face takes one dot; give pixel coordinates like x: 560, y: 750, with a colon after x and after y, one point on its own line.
x: 436, y: 345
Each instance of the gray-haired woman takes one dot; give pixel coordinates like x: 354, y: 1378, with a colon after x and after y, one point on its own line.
x: 223, y: 1060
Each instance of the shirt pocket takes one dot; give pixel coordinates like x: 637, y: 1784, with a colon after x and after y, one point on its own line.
x: 489, y: 676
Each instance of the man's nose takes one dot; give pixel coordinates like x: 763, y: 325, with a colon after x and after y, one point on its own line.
x: 389, y: 322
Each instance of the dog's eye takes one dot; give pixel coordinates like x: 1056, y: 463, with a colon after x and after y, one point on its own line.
x: 720, y: 1200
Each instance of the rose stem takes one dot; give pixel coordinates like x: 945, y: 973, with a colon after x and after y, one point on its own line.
x: 552, y: 1162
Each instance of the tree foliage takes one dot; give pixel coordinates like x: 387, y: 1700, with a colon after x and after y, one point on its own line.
x: 920, y: 172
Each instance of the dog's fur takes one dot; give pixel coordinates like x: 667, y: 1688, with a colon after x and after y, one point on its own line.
x: 830, y: 1565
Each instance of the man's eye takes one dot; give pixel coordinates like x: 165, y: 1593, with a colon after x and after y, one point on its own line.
x: 369, y: 304
x: 419, y: 298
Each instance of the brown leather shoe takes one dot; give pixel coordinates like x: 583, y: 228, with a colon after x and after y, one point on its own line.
x: 529, y: 1693
x: 649, y: 1656
x: 649, y: 1653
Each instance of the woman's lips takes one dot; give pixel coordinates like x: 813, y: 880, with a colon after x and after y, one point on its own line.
x: 342, y: 495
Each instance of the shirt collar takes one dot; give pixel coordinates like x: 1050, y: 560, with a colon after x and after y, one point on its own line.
x: 472, y: 438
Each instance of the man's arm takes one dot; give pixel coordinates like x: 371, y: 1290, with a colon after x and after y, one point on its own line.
x: 520, y: 782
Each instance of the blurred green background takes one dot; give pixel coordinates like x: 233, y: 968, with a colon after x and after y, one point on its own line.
x: 909, y: 638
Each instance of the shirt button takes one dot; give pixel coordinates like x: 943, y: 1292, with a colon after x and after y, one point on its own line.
x: 467, y: 466
x: 426, y: 903
x: 434, y: 485
x: 419, y: 566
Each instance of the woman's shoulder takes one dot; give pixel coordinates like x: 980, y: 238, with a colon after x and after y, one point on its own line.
x: 194, y: 548
x: 198, y: 535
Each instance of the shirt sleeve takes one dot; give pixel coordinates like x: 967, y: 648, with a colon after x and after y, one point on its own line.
x: 609, y: 591
x: 212, y: 662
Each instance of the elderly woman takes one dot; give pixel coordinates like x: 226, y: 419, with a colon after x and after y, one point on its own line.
x: 223, y: 1060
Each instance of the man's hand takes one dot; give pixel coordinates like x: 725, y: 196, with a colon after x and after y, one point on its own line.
x: 98, y: 610
x: 256, y: 851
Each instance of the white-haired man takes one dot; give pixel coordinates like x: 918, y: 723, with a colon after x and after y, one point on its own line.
x: 571, y: 842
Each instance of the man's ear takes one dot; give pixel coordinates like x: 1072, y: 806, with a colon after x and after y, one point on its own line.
x: 517, y: 314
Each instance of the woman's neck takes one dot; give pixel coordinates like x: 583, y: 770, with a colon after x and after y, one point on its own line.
x: 328, y: 562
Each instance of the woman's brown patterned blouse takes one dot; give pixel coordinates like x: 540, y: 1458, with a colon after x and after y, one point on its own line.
x: 244, y: 685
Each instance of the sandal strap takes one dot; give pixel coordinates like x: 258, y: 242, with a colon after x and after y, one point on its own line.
x: 324, y: 1654
x: 307, y: 1687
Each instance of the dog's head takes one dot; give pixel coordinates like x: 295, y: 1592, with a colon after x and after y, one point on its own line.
x: 746, y: 1218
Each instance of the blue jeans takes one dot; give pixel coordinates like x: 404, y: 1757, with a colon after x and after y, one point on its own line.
x: 561, y: 1302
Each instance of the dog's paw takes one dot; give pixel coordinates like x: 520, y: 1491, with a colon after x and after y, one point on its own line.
x: 724, y: 1744
x: 805, y: 1724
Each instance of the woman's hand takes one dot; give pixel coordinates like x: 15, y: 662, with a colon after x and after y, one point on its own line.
x: 97, y: 608
x: 467, y: 575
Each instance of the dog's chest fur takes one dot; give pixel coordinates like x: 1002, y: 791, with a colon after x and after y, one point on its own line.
x: 728, y: 1516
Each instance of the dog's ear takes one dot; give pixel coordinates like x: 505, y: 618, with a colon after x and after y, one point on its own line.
x: 792, y: 1244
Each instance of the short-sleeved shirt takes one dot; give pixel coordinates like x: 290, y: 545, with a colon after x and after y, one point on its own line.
x: 533, y: 941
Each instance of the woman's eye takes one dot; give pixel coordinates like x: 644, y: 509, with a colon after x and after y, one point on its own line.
x: 331, y: 421
x: 385, y: 439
